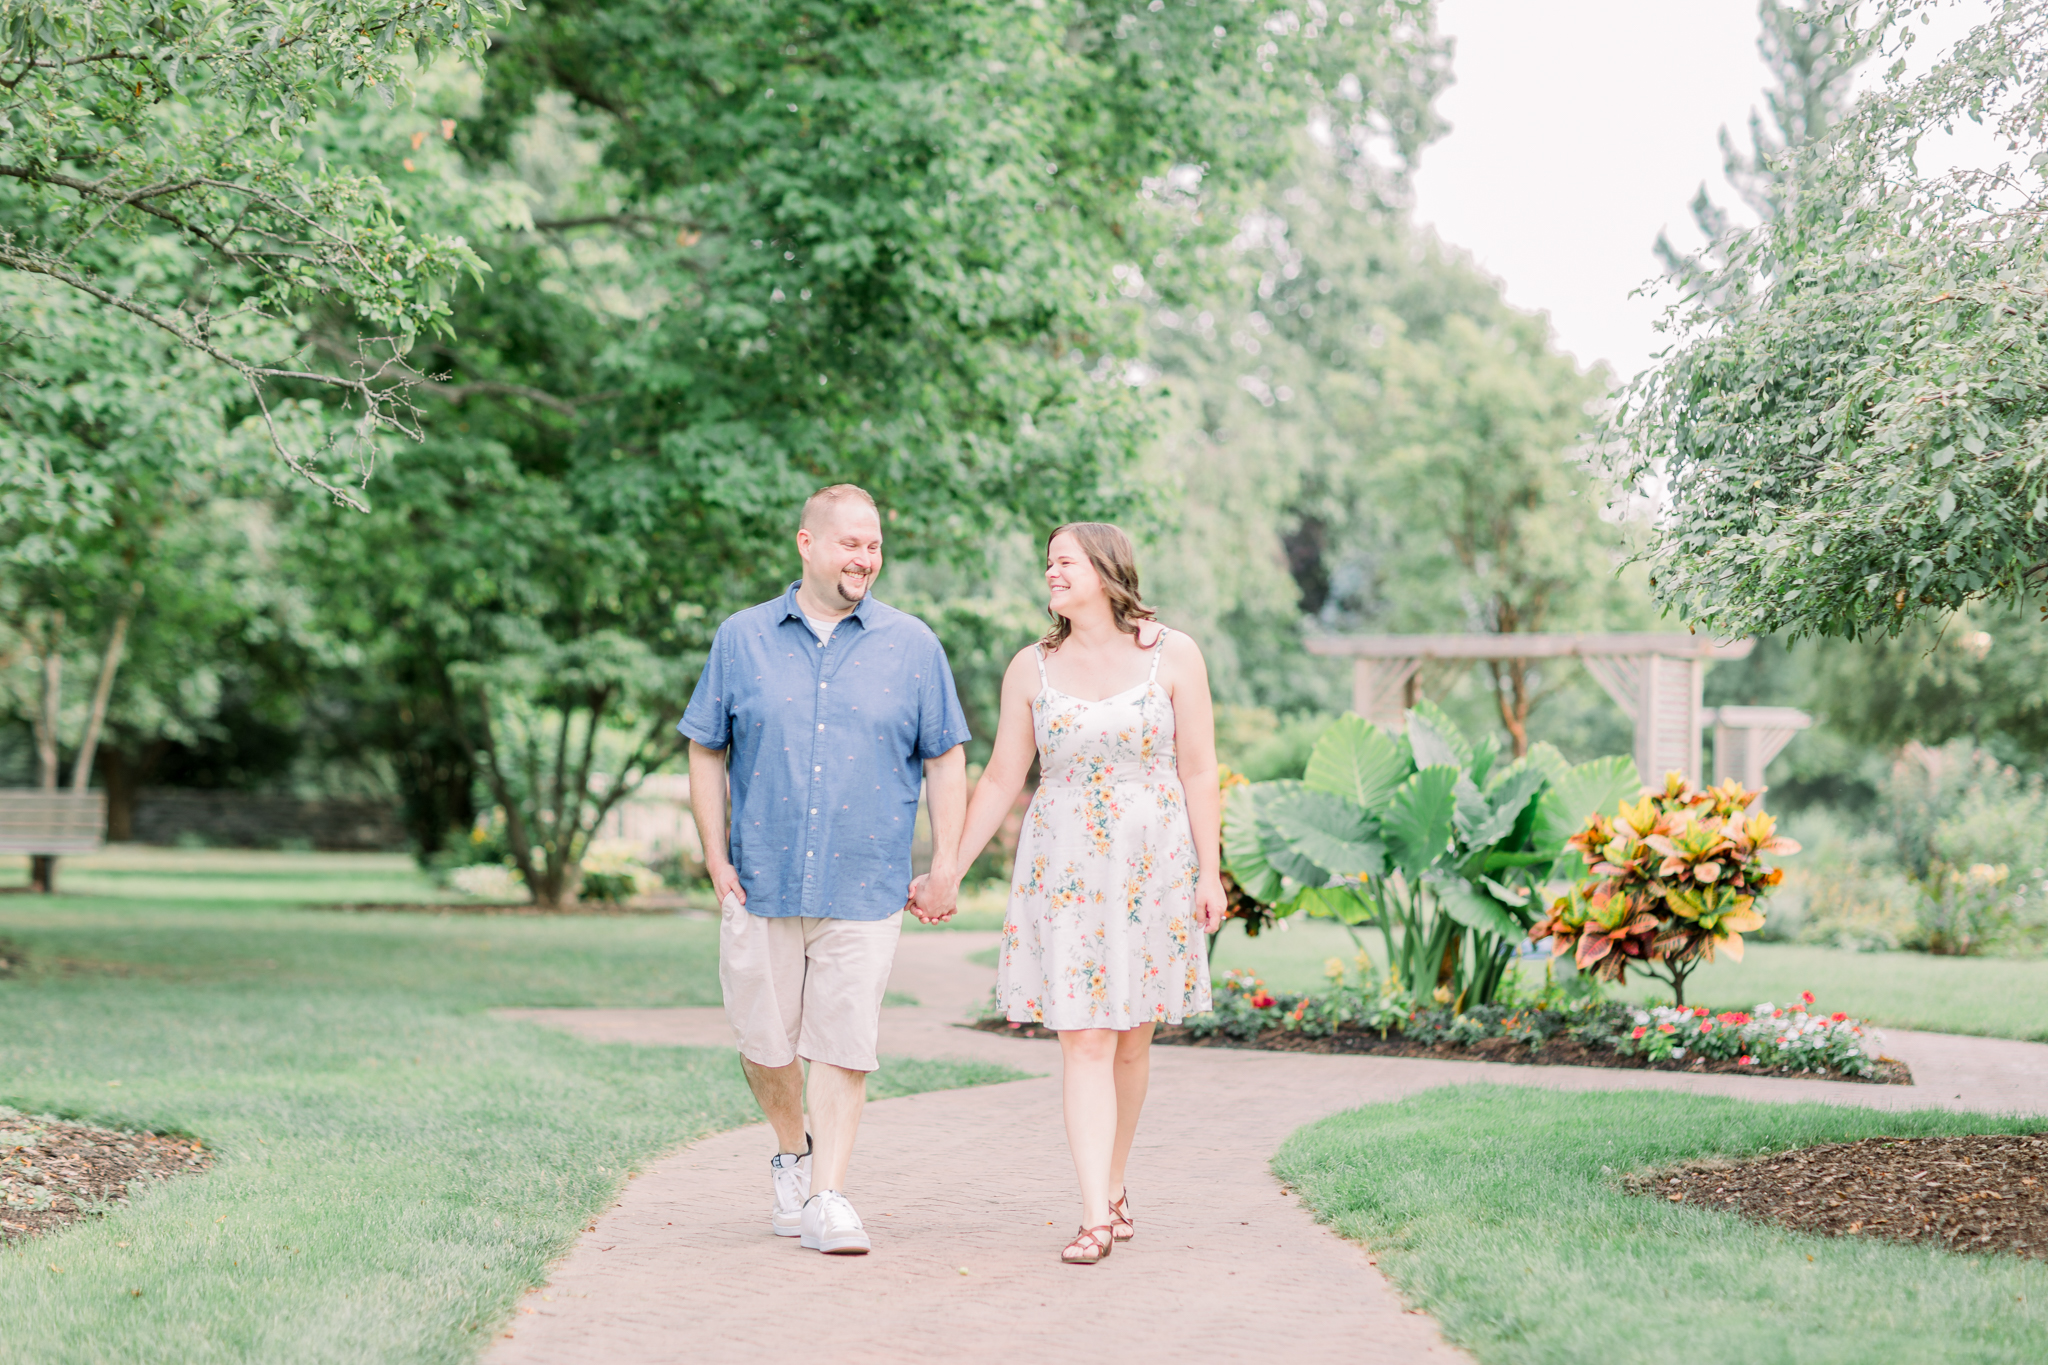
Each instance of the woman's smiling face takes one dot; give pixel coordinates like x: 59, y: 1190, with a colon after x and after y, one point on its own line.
x: 1070, y: 575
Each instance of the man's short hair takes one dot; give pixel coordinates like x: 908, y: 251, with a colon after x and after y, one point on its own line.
x: 831, y: 495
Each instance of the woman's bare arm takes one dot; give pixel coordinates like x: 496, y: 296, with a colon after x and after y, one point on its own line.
x: 1194, y: 743
x: 1008, y: 765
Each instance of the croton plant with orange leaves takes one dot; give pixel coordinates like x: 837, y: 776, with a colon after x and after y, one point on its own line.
x: 1670, y: 880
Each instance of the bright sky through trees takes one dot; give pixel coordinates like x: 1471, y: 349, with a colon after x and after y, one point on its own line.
x: 1579, y: 129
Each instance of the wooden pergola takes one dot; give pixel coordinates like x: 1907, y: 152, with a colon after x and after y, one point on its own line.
x: 1654, y: 677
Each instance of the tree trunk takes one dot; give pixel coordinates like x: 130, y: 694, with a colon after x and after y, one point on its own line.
x: 95, y: 720
x: 42, y: 867
x: 118, y: 776
x: 1511, y: 693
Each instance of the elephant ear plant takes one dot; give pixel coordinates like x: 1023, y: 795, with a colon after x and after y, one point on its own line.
x: 1424, y: 835
x: 1665, y: 882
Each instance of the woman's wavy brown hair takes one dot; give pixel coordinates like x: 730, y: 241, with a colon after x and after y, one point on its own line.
x: 1116, y: 564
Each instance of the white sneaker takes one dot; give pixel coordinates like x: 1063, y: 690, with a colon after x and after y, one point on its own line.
x: 831, y: 1226
x: 790, y: 1173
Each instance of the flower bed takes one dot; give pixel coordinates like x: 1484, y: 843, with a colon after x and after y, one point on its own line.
x: 1557, y: 1027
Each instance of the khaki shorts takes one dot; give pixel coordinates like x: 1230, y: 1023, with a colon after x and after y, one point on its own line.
x: 802, y: 987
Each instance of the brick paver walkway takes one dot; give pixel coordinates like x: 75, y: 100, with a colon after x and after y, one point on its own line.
x: 969, y: 1196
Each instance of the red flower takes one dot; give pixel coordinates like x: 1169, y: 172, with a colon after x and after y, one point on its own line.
x: 1837, y: 1017
x: 1745, y: 1061
x: 1640, y: 1031
x: 1666, y: 1028
x: 1806, y: 997
x: 1262, y: 1001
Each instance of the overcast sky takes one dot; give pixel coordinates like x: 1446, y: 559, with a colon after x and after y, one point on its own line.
x: 1579, y: 129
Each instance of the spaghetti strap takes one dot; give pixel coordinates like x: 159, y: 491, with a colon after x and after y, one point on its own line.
x: 1157, y: 641
x: 1039, y: 650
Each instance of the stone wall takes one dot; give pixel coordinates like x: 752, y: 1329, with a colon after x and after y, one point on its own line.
x: 167, y: 815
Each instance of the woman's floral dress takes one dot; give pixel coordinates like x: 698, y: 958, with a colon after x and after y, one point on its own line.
x: 1101, y: 927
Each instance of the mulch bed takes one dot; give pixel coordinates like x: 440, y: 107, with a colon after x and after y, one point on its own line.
x: 1555, y: 1052
x: 53, y: 1173
x: 1956, y: 1193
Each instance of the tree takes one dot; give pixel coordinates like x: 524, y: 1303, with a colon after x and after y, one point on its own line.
x: 184, y: 124
x: 1812, y: 49
x: 772, y: 246
x: 1407, y: 440
x: 110, y: 434
x: 1850, y: 421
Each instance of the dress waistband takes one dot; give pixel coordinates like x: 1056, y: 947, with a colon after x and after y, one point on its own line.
x: 1116, y: 776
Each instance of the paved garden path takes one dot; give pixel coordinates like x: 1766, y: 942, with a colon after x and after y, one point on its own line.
x: 968, y: 1194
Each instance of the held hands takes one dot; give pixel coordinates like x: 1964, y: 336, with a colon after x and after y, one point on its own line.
x: 1211, y: 904
x: 933, y: 899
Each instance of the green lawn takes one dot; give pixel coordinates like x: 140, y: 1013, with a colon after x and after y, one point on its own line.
x: 136, y: 872
x: 1996, y: 997
x: 1498, y: 1210
x: 393, y: 1166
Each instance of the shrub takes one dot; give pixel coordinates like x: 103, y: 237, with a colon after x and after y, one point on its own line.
x: 1668, y: 880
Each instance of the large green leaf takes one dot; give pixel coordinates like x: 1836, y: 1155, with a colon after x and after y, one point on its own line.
x: 1280, y: 852
x: 1542, y: 756
x: 1417, y: 825
x: 1518, y: 785
x: 1358, y: 761
x: 1436, y: 739
x: 1594, y: 788
x: 1485, y: 753
x: 1244, y: 851
x: 1327, y: 830
x: 1469, y: 810
x: 1591, y: 788
x: 1348, y: 904
x: 1473, y: 908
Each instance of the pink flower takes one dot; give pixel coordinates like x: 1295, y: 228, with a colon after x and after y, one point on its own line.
x: 1745, y: 1061
x: 1666, y: 1028
x: 1837, y: 1017
x: 1806, y: 997
x: 1640, y: 1031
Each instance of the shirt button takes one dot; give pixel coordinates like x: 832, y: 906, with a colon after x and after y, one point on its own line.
x: 821, y: 687
x: 807, y: 855
x: 814, y: 810
x: 821, y: 727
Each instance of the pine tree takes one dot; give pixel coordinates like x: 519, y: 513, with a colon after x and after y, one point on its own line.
x: 1812, y: 48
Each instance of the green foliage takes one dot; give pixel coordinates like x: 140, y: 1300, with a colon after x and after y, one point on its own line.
x: 1355, y: 402
x: 181, y: 128
x: 1420, y: 835
x: 1849, y: 423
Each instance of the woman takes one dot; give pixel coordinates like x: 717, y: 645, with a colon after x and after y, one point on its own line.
x: 1117, y: 872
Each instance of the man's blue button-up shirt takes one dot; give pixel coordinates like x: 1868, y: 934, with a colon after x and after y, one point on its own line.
x: 828, y: 743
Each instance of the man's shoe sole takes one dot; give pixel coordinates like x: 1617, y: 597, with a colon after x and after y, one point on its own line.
x: 793, y: 1228
x: 840, y: 1248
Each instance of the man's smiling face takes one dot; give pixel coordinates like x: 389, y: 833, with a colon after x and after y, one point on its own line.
x: 842, y: 551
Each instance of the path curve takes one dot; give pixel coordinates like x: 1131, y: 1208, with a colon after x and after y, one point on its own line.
x: 969, y: 1196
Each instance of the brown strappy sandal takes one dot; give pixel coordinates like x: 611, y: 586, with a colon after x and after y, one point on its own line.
x: 1093, y: 1244
x: 1122, y: 1226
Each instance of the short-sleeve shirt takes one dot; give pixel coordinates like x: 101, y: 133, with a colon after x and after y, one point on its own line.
x: 828, y: 741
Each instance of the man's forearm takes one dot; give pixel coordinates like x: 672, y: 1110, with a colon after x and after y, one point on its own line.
x: 707, y: 804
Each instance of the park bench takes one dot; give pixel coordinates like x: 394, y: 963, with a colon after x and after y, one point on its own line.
x: 49, y: 823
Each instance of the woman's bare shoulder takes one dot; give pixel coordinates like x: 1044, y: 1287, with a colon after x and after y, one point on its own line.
x: 1179, y: 644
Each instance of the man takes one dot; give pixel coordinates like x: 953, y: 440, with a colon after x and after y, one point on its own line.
x: 821, y: 707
